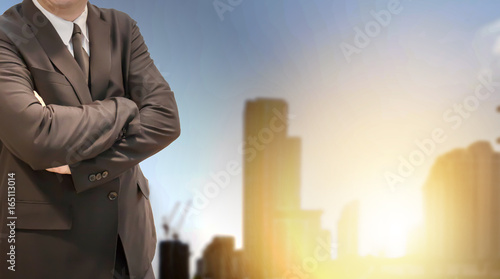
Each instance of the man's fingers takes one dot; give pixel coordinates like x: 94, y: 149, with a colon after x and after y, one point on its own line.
x: 39, y: 98
x: 60, y: 170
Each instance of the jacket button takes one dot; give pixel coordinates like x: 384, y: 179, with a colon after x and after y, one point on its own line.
x: 98, y: 176
x: 123, y: 133
x: 112, y: 196
x: 105, y: 174
x: 92, y: 177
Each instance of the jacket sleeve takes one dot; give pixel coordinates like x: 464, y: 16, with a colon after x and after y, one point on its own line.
x: 159, y: 122
x: 51, y: 136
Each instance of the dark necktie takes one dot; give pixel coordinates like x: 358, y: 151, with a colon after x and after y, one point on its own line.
x: 81, y: 55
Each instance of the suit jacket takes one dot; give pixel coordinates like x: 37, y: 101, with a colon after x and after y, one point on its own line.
x: 66, y: 226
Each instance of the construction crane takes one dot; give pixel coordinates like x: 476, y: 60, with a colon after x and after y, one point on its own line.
x: 174, y: 254
x: 168, y: 221
x: 180, y: 223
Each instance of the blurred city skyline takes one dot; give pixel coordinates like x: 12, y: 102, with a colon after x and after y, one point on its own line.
x: 459, y: 236
x: 356, y: 117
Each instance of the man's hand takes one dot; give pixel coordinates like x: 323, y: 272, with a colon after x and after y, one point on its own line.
x: 39, y: 99
x: 60, y: 170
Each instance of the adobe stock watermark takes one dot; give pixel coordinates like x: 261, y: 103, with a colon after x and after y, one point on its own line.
x: 322, y: 253
x: 219, y: 180
x: 223, y: 6
x: 372, y: 29
x: 454, y: 117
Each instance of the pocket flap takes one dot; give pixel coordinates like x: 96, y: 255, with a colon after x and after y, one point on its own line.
x: 47, y: 76
x: 42, y: 216
x: 143, y: 184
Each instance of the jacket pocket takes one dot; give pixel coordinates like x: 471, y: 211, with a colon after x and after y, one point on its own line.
x: 48, y: 77
x: 42, y: 216
x: 54, y: 88
x: 143, y: 184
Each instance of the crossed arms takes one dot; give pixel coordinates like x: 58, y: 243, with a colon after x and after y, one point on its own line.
x: 88, y: 138
x: 62, y: 169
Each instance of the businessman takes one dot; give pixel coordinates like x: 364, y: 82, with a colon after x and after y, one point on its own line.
x: 81, y: 105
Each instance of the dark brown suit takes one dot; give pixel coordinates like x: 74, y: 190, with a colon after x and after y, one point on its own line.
x: 67, y: 225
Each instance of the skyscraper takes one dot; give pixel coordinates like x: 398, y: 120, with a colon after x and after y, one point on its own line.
x: 462, y: 205
x: 221, y: 261
x: 264, y: 135
x: 174, y: 260
x: 348, y: 231
x: 277, y: 233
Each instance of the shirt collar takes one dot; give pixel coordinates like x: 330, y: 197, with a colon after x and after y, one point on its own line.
x: 63, y: 27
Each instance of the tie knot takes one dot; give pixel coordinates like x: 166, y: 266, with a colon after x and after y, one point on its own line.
x: 76, y: 29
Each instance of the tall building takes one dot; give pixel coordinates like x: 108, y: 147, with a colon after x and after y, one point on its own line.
x: 221, y: 261
x: 277, y: 234
x: 348, y: 231
x: 297, y: 237
x: 174, y: 260
x: 199, y: 269
x: 462, y: 205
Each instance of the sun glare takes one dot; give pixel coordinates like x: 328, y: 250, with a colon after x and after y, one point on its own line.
x: 386, y: 226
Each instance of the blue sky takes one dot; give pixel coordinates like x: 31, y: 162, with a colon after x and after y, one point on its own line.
x: 355, y: 118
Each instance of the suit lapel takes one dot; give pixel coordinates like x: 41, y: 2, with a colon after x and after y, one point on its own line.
x: 100, y: 52
x: 56, y: 50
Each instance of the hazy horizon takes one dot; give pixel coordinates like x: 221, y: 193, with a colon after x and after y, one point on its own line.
x: 356, y: 115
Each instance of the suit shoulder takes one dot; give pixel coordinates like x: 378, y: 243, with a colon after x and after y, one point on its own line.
x: 12, y: 12
x: 112, y: 15
x: 11, y: 22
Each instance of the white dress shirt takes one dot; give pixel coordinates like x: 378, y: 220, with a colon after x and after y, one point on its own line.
x: 65, y: 28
